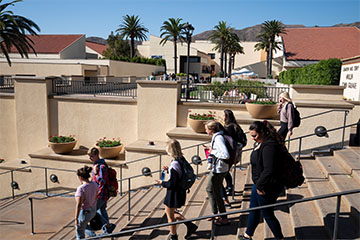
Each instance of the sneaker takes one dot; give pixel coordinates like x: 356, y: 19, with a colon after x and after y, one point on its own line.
x: 190, y: 230
x: 108, y: 229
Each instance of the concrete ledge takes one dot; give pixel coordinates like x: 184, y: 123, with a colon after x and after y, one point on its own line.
x: 187, y: 133
x: 95, y: 98
x: 323, y: 104
x: 144, y: 147
x: 77, y: 156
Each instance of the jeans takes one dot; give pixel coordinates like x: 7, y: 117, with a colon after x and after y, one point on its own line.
x: 257, y: 200
x: 84, y: 218
x: 101, y: 209
x: 213, y: 190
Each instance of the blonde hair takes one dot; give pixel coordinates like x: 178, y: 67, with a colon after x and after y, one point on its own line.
x: 212, y: 125
x: 285, y: 95
x: 173, y: 148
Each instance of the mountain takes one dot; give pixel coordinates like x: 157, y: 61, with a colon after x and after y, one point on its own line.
x: 96, y: 40
x: 249, y: 34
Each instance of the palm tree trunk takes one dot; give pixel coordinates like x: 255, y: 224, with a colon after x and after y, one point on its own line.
x: 222, y: 60
x: 230, y: 66
x: 132, y: 45
x: 225, y: 63
x: 269, y: 68
x: 175, y: 57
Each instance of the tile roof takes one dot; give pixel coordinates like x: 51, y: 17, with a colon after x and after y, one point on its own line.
x: 51, y: 43
x: 321, y: 43
x: 99, y: 48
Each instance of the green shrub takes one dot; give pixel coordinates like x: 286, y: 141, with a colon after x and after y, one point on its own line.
x: 325, y: 72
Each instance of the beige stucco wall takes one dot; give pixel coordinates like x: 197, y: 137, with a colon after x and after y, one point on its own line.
x: 90, y: 118
x: 117, y: 68
x: 8, y: 137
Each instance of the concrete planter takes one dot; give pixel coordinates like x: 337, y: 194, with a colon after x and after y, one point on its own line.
x: 110, y: 152
x: 197, y: 125
x: 261, y: 111
x: 61, y: 148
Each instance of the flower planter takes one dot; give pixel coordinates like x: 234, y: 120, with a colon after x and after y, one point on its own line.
x: 110, y: 152
x: 197, y: 125
x: 61, y: 148
x: 261, y: 111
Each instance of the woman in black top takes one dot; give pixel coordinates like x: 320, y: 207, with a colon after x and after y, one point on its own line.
x: 265, y: 163
x: 175, y: 195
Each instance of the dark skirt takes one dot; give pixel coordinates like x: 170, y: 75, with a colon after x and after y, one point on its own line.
x: 175, y: 198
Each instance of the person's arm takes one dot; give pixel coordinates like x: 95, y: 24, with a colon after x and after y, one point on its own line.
x: 175, y: 178
x: 268, y: 155
x: 219, y: 148
x: 100, y: 175
x: 290, y: 117
x: 79, y: 202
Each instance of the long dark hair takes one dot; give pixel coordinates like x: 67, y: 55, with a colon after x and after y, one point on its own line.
x: 265, y: 129
x: 229, y: 117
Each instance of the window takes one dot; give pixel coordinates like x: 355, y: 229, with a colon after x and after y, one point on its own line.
x: 156, y: 57
x: 212, y: 55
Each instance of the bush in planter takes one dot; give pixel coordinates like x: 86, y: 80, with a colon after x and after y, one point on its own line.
x: 61, y: 139
x: 103, y: 142
x: 62, y: 144
x: 204, y: 116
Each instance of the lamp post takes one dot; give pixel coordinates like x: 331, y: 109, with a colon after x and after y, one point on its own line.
x: 189, y: 29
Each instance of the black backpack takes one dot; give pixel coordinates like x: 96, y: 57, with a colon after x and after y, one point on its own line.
x: 297, y: 118
x: 188, y: 176
x: 291, y: 172
x: 242, y: 137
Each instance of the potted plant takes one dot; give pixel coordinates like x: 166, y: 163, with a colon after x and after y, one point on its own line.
x: 262, y: 109
x: 197, y: 121
x: 109, y: 148
x: 62, y: 144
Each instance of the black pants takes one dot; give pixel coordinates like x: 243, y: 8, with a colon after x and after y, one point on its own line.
x: 229, y: 184
x: 283, y: 129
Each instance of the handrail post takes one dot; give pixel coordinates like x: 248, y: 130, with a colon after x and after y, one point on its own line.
x: 343, y: 135
x: 160, y: 166
x: 338, y: 202
x: 46, y: 183
x: 234, y: 183
x: 129, y: 204
x: 12, y: 180
x: 212, y: 234
x: 121, y: 180
x: 32, y: 215
x: 300, y: 139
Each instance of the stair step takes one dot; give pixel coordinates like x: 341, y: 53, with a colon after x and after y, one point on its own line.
x: 330, y: 166
x: 305, y: 219
x: 350, y: 161
x: 318, y: 185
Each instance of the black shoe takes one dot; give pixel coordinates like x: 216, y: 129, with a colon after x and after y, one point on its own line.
x: 191, y: 228
x: 242, y: 237
x: 173, y: 237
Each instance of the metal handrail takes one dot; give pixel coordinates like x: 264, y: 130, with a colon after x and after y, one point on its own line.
x: 291, y: 202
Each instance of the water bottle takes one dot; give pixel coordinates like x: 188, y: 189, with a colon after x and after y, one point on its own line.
x: 162, y: 178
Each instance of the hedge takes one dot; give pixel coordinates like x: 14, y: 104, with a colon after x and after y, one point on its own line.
x: 325, y: 72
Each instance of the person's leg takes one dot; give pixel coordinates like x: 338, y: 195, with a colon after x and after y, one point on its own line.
x: 170, y: 214
x: 191, y: 227
x: 210, y: 192
x: 283, y: 130
x: 84, y: 218
x: 229, y: 184
x: 269, y: 216
x: 101, y: 210
x: 254, y: 216
x: 217, y: 181
x: 88, y: 230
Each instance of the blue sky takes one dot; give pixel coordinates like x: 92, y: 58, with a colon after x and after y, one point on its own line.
x: 99, y: 18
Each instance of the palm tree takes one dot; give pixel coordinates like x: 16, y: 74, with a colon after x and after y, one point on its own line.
x: 219, y: 37
x: 233, y: 47
x: 13, y: 29
x: 133, y: 29
x: 173, y: 30
x: 269, y: 30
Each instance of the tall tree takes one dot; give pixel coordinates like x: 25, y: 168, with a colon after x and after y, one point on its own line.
x: 269, y: 30
x: 233, y: 47
x: 118, y: 47
x: 133, y: 29
x: 219, y: 36
x: 13, y: 29
x: 173, y: 30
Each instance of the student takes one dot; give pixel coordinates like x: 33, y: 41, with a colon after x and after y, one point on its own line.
x: 265, y: 168
x: 175, y: 195
x: 85, y: 208
x: 286, y: 111
x: 100, y: 176
x: 218, y: 153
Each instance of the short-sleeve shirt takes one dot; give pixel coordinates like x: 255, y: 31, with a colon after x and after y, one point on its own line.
x: 88, y: 191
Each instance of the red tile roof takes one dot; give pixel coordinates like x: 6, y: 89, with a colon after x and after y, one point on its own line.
x: 321, y: 43
x: 51, y: 43
x: 99, y: 48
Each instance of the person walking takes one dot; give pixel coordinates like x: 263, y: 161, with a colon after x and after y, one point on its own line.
x: 85, y: 208
x: 218, y: 153
x: 265, y: 167
x: 175, y: 194
x: 234, y: 130
x: 286, y: 111
x: 101, y: 177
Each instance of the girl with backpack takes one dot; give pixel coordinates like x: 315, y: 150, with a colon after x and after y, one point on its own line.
x: 286, y: 111
x: 265, y: 168
x: 85, y: 208
x: 175, y: 194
